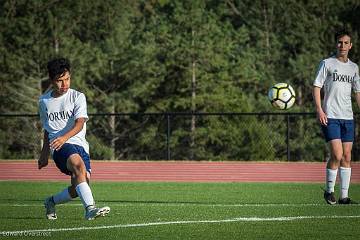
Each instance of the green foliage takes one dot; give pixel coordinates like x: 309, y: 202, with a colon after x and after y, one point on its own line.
x: 171, y: 56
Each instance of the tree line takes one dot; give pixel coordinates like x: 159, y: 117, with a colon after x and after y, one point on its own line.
x: 132, y: 56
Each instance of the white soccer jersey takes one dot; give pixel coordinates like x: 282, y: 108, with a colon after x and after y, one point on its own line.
x: 58, y: 115
x: 338, y: 79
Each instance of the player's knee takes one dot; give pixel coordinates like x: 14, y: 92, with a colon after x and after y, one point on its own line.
x: 337, y: 157
x: 345, y: 162
x: 347, y: 157
x: 77, y: 166
x: 79, y: 170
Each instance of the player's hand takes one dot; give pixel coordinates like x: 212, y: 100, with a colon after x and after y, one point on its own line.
x: 57, y: 143
x: 322, y: 117
x: 42, y: 162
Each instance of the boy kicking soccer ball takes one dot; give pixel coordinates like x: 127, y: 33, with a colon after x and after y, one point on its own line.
x: 63, y: 115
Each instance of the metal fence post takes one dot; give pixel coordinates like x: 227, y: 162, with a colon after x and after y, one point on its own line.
x: 288, y: 136
x: 168, y: 136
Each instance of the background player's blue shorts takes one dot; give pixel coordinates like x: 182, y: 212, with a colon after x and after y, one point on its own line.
x: 339, y: 129
x: 60, y: 157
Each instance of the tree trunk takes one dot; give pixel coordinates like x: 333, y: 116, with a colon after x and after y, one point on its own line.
x: 193, y: 109
x: 193, y: 104
x: 112, y: 124
x: 112, y: 121
x: 267, y: 30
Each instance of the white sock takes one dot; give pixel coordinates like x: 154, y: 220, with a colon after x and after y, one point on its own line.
x: 330, y: 179
x: 344, y: 174
x: 85, y: 194
x: 62, y: 197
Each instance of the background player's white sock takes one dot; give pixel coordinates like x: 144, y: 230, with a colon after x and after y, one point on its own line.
x: 85, y: 194
x: 62, y: 197
x: 344, y: 174
x: 330, y: 179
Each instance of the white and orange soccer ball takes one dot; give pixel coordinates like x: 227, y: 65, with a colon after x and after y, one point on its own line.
x: 282, y: 96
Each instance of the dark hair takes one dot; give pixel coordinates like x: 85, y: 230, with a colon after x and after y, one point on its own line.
x: 342, y: 32
x: 57, y: 67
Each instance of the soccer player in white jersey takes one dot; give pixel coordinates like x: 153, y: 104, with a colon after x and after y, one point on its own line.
x: 63, y: 114
x: 338, y: 76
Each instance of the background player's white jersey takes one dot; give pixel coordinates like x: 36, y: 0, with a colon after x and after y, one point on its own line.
x: 338, y: 79
x: 58, y: 115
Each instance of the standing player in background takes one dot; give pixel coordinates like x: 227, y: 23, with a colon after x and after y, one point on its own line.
x: 63, y: 114
x: 338, y: 76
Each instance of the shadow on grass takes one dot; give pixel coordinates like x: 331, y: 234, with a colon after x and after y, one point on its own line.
x: 154, y: 202
x: 21, y: 218
x: 17, y: 200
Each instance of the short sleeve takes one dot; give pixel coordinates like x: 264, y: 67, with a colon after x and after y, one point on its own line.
x: 321, y: 75
x: 80, y: 108
x: 356, y: 81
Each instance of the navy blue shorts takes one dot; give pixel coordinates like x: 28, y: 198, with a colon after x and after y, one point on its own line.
x: 339, y: 129
x: 60, y: 157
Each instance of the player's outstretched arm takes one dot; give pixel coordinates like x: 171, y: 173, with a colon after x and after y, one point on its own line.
x: 45, y: 152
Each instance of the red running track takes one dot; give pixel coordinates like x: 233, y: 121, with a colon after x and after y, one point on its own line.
x: 181, y: 171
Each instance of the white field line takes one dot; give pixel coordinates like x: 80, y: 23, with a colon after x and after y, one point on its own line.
x: 151, y: 204
x: 240, y: 219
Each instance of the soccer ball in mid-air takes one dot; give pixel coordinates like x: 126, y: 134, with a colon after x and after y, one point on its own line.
x: 282, y: 96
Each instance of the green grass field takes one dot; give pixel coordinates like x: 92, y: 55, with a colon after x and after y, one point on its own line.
x: 181, y: 211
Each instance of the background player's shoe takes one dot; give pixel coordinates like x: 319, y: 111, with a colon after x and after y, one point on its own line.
x: 329, y: 198
x: 93, y: 212
x: 346, y: 201
x: 50, y: 208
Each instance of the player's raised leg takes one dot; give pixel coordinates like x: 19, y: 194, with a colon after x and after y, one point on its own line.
x: 79, y: 181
